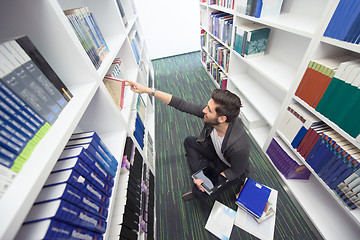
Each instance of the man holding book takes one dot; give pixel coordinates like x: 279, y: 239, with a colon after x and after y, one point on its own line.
x: 223, y: 144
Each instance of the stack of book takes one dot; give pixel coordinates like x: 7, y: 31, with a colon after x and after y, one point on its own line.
x: 219, y: 53
x: 286, y: 162
x: 251, y: 39
x: 32, y: 97
x: 75, y: 198
x: 220, y: 25
x: 344, y: 24
x: 135, y: 44
x: 259, y: 8
x: 88, y: 33
x: 223, y: 3
x: 139, y: 131
x: 254, y: 199
x: 114, y: 81
x: 331, y: 86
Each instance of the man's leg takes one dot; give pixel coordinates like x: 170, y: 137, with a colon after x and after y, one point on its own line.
x: 198, y: 156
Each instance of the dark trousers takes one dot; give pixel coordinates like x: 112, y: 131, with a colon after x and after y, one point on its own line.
x: 199, y: 157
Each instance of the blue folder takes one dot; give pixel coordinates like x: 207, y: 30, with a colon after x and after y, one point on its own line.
x: 253, y: 197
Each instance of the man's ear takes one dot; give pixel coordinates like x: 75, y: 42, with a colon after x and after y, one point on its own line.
x: 222, y: 119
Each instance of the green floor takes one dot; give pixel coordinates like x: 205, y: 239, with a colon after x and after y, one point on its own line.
x: 184, y: 76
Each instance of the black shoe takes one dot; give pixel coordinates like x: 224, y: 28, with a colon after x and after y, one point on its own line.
x: 187, y: 196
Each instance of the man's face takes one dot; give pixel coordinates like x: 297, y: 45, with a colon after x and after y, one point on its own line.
x: 210, y: 115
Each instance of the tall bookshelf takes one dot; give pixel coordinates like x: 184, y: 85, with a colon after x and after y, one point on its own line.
x: 267, y: 84
x: 92, y: 107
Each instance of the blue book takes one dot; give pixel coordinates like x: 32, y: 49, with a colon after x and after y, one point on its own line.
x: 67, y: 213
x: 92, y: 151
x: 91, y: 162
x: 344, y: 175
x: 347, y: 162
x: 53, y: 229
x: 253, y: 198
x: 258, y: 8
x: 335, y: 22
x: 80, y: 183
x: 354, y: 31
x: 97, y: 147
x: 82, y: 168
x: 93, y: 134
x: 351, y: 17
x: 70, y: 194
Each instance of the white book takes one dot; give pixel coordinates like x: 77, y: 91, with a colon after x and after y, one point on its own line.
x: 221, y: 221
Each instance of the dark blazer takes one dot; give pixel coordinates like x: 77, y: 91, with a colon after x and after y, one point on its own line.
x: 235, y: 147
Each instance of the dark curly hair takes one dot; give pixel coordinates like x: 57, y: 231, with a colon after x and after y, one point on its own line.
x: 229, y: 103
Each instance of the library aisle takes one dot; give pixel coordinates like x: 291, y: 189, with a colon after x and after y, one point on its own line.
x: 184, y: 76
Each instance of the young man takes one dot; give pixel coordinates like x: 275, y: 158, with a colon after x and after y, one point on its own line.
x: 223, y: 143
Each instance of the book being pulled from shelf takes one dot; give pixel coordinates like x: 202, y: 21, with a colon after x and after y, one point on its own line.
x: 88, y: 33
x: 259, y: 8
x: 331, y: 86
x: 114, y: 82
x: 251, y: 39
x: 345, y: 22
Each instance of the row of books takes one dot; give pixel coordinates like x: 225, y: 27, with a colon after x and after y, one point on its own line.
x: 75, y: 198
x: 203, y: 37
x: 114, y: 82
x: 32, y: 97
x: 220, y: 25
x: 223, y: 3
x: 251, y: 39
x: 259, y: 8
x: 122, y: 12
x: 348, y: 190
x: 130, y: 215
x: 219, y: 53
x: 329, y: 154
x: 218, y: 75
x: 135, y: 44
x: 88, y: 33
x: 331, y: 86
x: 287, y: 164
x: 345, y: 22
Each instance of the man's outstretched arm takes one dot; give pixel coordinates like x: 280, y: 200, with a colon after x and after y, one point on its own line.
x: 139, y: 88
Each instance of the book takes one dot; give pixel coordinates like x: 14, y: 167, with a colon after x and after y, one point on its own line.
x: 68, y: 193
x: 253, y: 198
x: 53, y: 229
x: 28, y: 55
x: 266, y: 8
x: 251, y: 39
x: 122, y: 12
x: 68, y: 213
x: 98, y: 145
x: 220, y: 221
x: 81, y: 152
x: 82, y: 168
x: 25, y: 87
x: 88, y: 33
x: 80, y: 183
x: 264, y: 230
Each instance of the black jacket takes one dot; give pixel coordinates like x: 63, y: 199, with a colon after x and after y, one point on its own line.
x: 235, y: 147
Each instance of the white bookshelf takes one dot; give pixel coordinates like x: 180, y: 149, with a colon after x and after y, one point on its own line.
x: 267, y: 85
x: 91, y: 108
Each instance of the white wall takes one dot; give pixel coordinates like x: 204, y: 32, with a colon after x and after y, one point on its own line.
x: 170, y: 27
